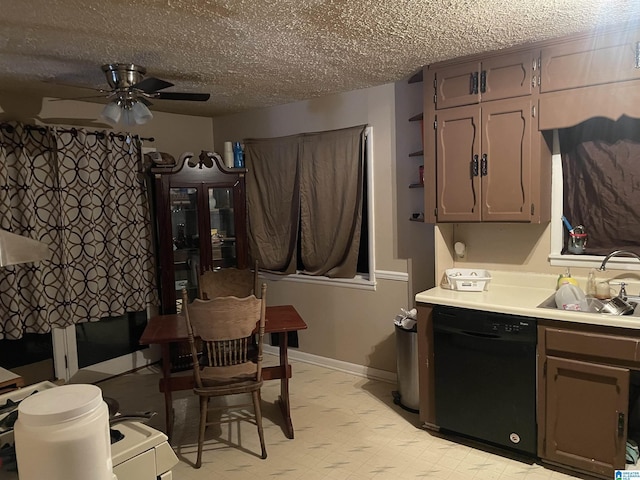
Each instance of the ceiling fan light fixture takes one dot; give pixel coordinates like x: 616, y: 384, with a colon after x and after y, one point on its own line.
x: 141, y: 113
x: 127, y: 117
x: 112, y: 112
x: 130, y: 111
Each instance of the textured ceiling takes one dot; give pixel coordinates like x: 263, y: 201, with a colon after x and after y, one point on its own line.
x: 250, y: 53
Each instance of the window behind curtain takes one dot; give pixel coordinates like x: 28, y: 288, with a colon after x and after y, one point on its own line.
x: 305, y: 199
x: 601, y: 182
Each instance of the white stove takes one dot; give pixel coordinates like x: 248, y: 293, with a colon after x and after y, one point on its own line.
x: 142, y: 454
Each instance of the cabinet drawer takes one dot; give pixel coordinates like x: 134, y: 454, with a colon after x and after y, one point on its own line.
x: 593, y: 344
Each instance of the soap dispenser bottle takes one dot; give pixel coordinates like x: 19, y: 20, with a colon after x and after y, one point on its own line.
x: 591, y: 283
x: 566, y: 278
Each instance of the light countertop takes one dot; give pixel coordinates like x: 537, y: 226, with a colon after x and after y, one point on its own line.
x: 520, y: 294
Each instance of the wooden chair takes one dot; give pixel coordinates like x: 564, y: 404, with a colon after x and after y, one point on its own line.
x: 225, y: 326
x: 225, y: 282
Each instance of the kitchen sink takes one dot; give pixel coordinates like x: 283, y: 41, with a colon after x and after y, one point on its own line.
x: 594, y: 305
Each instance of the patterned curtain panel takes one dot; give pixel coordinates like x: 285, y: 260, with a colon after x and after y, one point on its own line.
x: 82, y: 194
x: 27, y: 182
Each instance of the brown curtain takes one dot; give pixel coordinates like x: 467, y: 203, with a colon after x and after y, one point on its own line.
x: 331, y: 202
x: 82, y: 194
x: 312, y: 183
x: 273, y: 203
x: 601, y: 182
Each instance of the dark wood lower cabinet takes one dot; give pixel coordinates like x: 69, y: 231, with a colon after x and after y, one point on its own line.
x: 585, y: 376
x: 588, y: 388
x: 586, y: 415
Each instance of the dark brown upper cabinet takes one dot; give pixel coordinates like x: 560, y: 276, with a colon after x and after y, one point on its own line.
x: 201, y: 222
x: 493, y: 78
x: 489, y: 164
x: 595, y: 60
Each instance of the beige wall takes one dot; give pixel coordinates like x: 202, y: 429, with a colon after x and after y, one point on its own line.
x: 414, y: 239
x: 501, y: 246
x: 173, y: 133
x: 346, y: 324
x: 507, y: 247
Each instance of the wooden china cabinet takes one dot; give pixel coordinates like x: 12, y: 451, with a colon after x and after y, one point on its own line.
x: 201, y: 222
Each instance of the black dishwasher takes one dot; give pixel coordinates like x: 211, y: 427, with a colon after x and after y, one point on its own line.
x: 485, y: 376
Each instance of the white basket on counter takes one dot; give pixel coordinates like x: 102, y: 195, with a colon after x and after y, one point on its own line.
x: 467, y: 279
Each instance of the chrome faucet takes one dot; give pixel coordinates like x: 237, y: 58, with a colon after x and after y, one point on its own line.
x: 617, y: 253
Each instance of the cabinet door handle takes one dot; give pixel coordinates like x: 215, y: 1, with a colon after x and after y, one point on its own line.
x: 483, y: 81
x: 473, y: 83
x: 620, y: 424
x: 474, y: 166
x: 483, y: 165
x: 637, y: 54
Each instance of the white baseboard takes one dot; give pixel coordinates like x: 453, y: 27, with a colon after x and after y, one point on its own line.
x: 359, y: 370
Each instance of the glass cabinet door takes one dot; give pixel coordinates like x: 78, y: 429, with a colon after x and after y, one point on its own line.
x: 186, y: 240
x: 201, y: 223
x: 222, y: 221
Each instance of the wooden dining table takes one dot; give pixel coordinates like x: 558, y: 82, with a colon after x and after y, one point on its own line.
x: 166, y: 330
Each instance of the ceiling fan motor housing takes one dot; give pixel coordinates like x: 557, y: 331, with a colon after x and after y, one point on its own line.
x: 123, y: 75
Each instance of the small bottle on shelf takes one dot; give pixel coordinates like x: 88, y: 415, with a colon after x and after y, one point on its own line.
x: 238, y: 155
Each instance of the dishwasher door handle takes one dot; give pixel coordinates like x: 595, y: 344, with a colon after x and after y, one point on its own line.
x: 479, y: 334
x: 447, y: 329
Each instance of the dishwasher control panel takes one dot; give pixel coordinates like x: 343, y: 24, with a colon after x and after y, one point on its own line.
x: 484, y: 323
x: 515, y: 327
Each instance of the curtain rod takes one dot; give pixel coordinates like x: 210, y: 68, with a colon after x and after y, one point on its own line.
x: 74, y: 131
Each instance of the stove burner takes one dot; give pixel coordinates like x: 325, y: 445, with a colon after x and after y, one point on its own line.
x: 8, y: 458
x: 116, y: 435
x: 112, y: 405
x: 10, y: 405
x: 8, y: 421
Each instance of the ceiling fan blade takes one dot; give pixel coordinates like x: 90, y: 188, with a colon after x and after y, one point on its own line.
x: 66, y: 84
x: 152, y: 84
x: 80, y: 98
x: 194, y: 97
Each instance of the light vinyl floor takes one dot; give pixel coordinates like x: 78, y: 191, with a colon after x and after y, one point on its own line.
x: 346, y: 428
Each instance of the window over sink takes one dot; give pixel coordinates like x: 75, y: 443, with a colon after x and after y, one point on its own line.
x: 596, y: 183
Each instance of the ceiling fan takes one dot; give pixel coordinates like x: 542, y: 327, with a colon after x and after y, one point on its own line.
x: 130, y: 94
